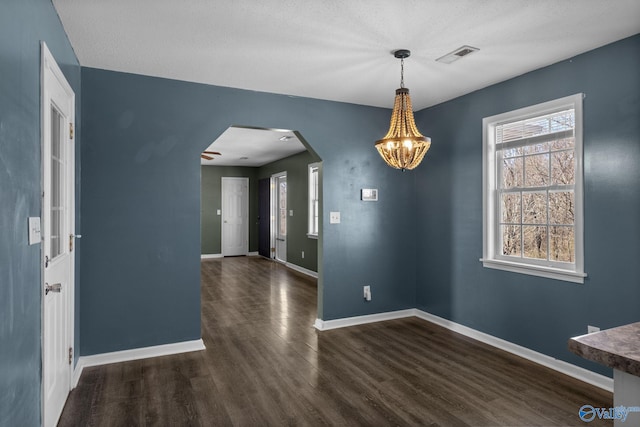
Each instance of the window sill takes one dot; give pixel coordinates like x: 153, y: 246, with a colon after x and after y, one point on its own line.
x: 535, y: 270
x: 312, y: 236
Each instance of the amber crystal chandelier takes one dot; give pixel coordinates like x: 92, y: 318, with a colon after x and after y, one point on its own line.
x: 403, y: 147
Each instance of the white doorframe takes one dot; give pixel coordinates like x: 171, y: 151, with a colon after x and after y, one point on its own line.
x: 278, y: 240
x: 56, y: 91
x: 241, y: 246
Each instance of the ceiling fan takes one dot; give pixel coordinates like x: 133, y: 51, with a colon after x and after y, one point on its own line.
x: 205, y: 155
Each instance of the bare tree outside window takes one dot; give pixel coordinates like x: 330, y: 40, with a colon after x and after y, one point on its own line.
x: 536, y: 187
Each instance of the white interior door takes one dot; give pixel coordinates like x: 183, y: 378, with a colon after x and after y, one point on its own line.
x: 280, y: 215
x: 58, y: 228
x: 235, y: 216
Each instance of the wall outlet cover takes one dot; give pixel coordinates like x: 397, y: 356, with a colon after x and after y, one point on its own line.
x: 334, y: 217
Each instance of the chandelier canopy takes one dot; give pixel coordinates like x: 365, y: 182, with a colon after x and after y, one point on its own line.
x: 403, y: 147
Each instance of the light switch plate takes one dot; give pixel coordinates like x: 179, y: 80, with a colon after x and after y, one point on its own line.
x: 218, y: 212
x: 334, y: 217
x: 291, y: 212
x: 34, y: 230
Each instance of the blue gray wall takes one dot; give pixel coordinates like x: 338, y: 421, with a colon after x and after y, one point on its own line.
x: 23, y: 24
x: 534, y: 312
x: 141, y: 204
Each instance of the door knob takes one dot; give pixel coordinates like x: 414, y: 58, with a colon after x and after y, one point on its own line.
x: 56, y: 287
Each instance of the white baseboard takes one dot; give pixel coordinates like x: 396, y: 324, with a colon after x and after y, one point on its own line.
x: 325, y: 325
x: 287, y: 264
x: 213, y: 256
x: 302, y: 270
x: 210, y: 256
x: 561, y: 366
x: 134, y: 354
x: 574, y: 371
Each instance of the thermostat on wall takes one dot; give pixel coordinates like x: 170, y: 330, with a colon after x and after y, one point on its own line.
x: 369, y: 194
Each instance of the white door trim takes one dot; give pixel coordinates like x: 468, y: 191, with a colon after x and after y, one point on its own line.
x: 50, y: 70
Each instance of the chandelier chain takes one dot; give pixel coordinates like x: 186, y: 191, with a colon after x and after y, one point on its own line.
x: 402, y: 72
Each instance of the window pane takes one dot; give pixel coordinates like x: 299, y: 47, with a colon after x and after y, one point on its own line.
x: 542, y: 147
x: 512, y: 172
x: 315, y: 217
x: 535, y: 242
x: 56, y: 240
x: 534, y: 207
x: 283, y: 195
x: 535, y: 126
x: 56, y: 213
x: 511, y: 240
x: 536, y: 170
x: 562, y: 121
x: 561, y: 242
x: 561, y: 207
x: 56, y: 178
x: 283, y: 222
x: 512, y: 152
x: 511, y: 212
x: 283, y: 206
x: 563, y: 167
x: 313, y: 200
x: 561, y: 144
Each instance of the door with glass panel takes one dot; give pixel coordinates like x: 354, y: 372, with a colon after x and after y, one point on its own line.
x: 279, y: 199
x: 58, y: 228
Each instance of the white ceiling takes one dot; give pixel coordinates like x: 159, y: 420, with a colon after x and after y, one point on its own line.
x: 341, y: 49
x: 253, y: 147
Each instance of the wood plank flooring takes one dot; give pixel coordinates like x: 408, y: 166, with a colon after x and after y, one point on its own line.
x: 265, y: 365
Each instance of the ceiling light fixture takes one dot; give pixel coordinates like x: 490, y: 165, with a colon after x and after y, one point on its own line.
x: 403, y: 147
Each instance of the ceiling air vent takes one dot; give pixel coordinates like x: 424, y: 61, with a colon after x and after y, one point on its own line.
x: 457, y: 54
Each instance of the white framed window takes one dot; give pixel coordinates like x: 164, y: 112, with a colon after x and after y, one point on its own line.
x: 314, y: 199
x: 533, y: 190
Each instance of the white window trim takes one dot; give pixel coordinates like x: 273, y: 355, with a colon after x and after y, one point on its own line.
x: 309, y: 206
x: 490, y: 209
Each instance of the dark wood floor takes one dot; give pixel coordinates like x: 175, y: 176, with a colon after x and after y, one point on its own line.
x: 266, y: 365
